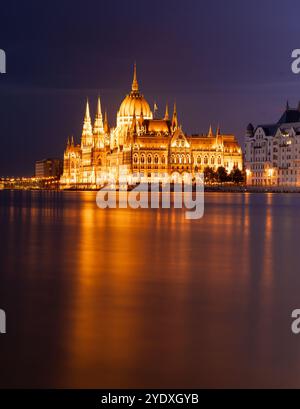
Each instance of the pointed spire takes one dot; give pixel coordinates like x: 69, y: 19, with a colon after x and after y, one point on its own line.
x: 87, y: 110
x: 106, y: 126
x: 72, y: 141
x: 142, y: 116
x: 287, y: 105
x: 135, y: 85
x: 167, y: 113
x: 218, y: 131
x: 98, y: 126
x: 210, y: 132
x: 99, y: 112
x: 87, y: 125
x: 133, y: 124
x: 175, y: 118
x: 68, y: 142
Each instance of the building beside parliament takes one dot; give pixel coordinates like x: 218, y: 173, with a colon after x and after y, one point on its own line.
x: 48, y: 168
x: 142, y: 144
x: 272, y: 151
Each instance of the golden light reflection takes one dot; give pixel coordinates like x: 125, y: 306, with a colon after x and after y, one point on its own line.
x: 125, y: 291
x: 119, y: 258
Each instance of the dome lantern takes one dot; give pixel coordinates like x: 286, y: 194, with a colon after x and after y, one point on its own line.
x: 135, y: 84
x: 134, y: 103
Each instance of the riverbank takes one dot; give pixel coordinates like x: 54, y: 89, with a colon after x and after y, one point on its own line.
x: 252, y: 189
x: 208, y: 188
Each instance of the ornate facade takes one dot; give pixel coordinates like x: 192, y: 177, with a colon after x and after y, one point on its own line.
x: 143, y: 144
x: 272, y: 151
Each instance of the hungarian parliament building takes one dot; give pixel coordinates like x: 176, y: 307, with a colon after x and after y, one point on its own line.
x: 145, y: 145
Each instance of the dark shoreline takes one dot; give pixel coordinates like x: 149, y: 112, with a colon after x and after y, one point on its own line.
x: 208, y: 189
x: 253, y: 189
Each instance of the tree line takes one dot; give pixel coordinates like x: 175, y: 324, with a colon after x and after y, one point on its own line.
x: 221, y: 175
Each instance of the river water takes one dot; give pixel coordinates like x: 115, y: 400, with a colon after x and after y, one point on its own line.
x: 145, y: 298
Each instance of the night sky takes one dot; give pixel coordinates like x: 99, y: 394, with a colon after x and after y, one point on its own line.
x: 225, y: 62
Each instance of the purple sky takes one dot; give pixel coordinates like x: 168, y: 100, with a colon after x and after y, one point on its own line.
x: 225, y: 62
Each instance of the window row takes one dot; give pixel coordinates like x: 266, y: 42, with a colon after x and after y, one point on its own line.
x: 206, y: 161
x: 149, y: 159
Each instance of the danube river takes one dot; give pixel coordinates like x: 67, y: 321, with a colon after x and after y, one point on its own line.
x: 145, y: 298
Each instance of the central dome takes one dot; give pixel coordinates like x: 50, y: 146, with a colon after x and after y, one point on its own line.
x: 133, y: 104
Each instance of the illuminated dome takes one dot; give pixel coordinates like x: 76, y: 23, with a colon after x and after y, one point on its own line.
x: 134, y: 103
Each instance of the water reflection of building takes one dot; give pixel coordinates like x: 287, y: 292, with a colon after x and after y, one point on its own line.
x: 143, y: 144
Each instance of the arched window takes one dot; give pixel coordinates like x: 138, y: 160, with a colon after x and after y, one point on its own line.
x: 142, y: 159
x: 212, y: 161
x: 149, y: 159
x: 205, y: 160
x: 219, y: 160
x: 135, y: 159
x: 199, y: 160
x: 163, y: 160
x: 156, y: 159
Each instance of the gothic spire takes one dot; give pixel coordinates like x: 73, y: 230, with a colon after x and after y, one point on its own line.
x: 175, y: 118
x: 167, y: 113
x: 99, y: 112
x: 87, y: 125
x: 142, y: 116
x: 135, y: 85
x: 133, y: 124
x: 98, y: 126
x: 87, y: 111
x: 106, y: 126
